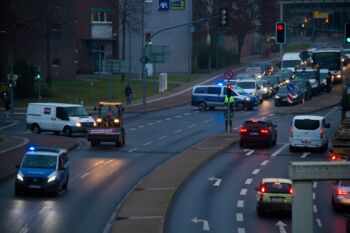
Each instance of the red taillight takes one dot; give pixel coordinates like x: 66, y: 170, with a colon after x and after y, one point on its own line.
x: 243, y: 130
x: 262, y: 188
x: 291, y: 190
x: 291, y: 132
x: 264, y: 131
x: 342, y: 192
x: 277, y: 183
x: 322, y: 133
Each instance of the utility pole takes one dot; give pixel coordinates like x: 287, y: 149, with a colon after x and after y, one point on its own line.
x: 143, y: 59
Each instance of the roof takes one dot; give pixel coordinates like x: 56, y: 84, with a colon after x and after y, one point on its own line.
x: 272, y: 180
x: 56, y: 104
x: 329, y: 49
x: 52, y: 151
x: 311, y: 117
x: 291, y: 56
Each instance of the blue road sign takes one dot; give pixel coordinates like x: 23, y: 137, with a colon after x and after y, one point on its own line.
x: 290, y: 88
x: 164, y: 5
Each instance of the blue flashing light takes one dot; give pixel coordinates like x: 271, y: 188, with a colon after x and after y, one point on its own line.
x: 220, y: 84
x: 32, y: 148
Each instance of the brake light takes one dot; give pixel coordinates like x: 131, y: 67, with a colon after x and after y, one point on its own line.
x: 264, y: 131
x: 291, y: 190
x: 333, y: 156
x: 322, y: 133
x: 254, y: 121
x: 291, y: 132
x: 243, y: 130
x: 342, y: 192
x: 277, y: 183
x: 262, y: 188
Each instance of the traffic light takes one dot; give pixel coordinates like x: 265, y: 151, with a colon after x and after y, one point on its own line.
x: 280, y: 33
x: 223, y: 17
x: 37, y: 75
x: 347, y: 32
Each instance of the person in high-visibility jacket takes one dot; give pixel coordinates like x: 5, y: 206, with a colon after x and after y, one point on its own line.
x: 229, y: 100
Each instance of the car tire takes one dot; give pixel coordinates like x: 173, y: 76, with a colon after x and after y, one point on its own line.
x: 119, y: 142
x: 18, y: 192
x: 242, y: 144
x: 277, y: 104
x: 240, y: 106
x: 67, y: 131
x: 36, y: 129
x: 202, y: 106
x: 94, y: 143
x: 335, y: 207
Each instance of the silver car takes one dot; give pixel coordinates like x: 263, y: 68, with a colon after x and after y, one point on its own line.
x: 341, y: 194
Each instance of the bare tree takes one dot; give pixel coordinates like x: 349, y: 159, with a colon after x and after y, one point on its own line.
x: 267, y: 15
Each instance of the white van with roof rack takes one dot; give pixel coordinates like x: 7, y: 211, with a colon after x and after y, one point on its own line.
x: 290, y: 60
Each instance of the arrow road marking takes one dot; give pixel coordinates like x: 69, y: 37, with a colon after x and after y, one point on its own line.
x: 205, y: 223
x: 281, y: 225
x: 217, y: 181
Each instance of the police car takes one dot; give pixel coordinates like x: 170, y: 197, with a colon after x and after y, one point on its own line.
x: 43, y: 169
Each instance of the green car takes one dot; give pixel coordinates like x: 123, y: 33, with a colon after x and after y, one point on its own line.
x: 274, y: 195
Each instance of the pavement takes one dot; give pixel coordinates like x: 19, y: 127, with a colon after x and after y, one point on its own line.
x: 145, y: 207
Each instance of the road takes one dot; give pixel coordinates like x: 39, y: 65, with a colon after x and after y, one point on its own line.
x: 222, y: 194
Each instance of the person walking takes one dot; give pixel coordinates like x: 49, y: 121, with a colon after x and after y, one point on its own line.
x: 128, y: 94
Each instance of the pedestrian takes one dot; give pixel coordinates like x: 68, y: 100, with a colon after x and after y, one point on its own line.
x: 128, y: 94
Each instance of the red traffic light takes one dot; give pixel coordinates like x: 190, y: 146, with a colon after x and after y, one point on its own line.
x: 280, y: 26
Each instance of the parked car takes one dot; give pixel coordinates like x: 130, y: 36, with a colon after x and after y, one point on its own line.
x: 212, y: 96
x: 261, y: 131
x: 341, y: 194
x: 308, y: 131
x: 281, y: 97
x: 274, y: 195
x: 43, y: 169
x: 305, y: 87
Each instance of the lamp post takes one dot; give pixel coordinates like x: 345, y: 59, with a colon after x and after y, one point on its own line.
x: 143, y: 59
x: 10, y: 70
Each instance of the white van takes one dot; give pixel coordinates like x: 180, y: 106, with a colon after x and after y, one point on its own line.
x: 58, y: 117
x: 290, y: 60
x: 252, y: 86
x: 308, y: 132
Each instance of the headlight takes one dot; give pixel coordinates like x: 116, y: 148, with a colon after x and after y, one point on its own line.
x: 324, y: 81
x: 295, y: 96
x: 20, y: 176
x: 52, y: 177
x: 287, y: 81
x: 265, y: 89
x: 277, y: 97
x: 116, y: 120
x: 77, y: 124
x: 95, y: 124
x: 338, y: 75
x: 247, y: 99
x: 99, y: 120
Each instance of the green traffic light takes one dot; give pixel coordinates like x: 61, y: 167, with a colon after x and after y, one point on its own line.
x: 348, y: 39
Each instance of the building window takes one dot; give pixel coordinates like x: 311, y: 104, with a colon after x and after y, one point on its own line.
x: 56, y: 62
x: 101, y: 15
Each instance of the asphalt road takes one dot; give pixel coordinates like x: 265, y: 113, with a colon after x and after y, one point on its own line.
x: 220, y: 197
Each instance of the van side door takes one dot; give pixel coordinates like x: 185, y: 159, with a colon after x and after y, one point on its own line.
x: 61, y: 119
x: 215, y: 96
x: 46, y: 120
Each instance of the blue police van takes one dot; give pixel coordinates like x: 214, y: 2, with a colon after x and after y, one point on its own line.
x: 212, y: 96
x: 43, y: 169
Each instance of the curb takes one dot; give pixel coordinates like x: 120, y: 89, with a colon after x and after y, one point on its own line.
x: 145, y: 208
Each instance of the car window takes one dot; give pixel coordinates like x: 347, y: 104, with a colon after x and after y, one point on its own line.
x: 201, y: 90
x: 251, y: 124
x: 277, y: 187
x: 246, y: 85
x: 214, y: 90
x: 345, y: 182
x: 39, y: 161
x: 306, y: 124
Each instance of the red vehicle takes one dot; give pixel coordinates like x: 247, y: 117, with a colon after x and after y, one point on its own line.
x: 261, y: 131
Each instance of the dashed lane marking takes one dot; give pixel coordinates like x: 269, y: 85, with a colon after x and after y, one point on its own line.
x: 168, y: 119
x: 141, y: 126
x: 243, y: 192
x: 151, y: 123
x: 178, y: 116
x: 240, y: 204
x: 248, y: 181
x: 191, y: 126
x: 84, y: 175
x: 263, y: 163
x: 43, y: 210
x: 256, y: 171
x: 24, y: 229
x: 132, y: 150
x: 177, y: 131
x: 206, y: 121
x: 314, y: 207
x: 241, y: 230
x: 239, y: 217
x: 162, y: 137
x: 109, y: 161
x: 314, y: 185
x: 319, y: 223
x: 279, y: 150
x: 132, y: 129
x: 159, y: 121
x: 186, y: 114
x: 147, y: 143
x: 304, y: 155
x: 314, y: 196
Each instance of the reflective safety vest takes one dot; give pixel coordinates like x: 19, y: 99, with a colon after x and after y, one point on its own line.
x: 229, y: 100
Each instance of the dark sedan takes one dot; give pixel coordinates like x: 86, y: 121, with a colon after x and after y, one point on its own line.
x: 281, y: 97
x: 305, y: 87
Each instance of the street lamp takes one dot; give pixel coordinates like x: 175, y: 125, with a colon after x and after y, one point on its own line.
x: 10, y: 70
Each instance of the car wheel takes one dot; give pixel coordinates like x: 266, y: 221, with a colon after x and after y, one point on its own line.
x: 242, y: 144
x: 36, y: 129
x: 277, y: 104
x: 240, y: 106
x: 18, y: 192
x: 67, y: 131
x: 336, y: 207
x: 94, y: 143
x: 119, y: 142
x: 269, y: 143
x: 202, y: 106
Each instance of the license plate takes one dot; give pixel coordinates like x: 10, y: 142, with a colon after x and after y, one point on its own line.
x: 34, y: 186
x: 277, y: 199
x: 254, y: 134
x: 305, y: 141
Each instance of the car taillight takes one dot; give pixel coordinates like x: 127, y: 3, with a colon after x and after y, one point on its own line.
x: 333, y: 156
x: 341, y: 192
x: 322, y: 133
x: 291, y: 190
x: 262, y: 188
x: 291, y: 132
x: 243, y: 130
x: 264, y: 131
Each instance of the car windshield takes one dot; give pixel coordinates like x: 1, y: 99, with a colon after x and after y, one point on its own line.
x: 305, y: 75
x: 246, y: 85
x: 109, y: 111
x: 283, y: 90
x: 39, y: 161
x: 76, y: 111
x: 251, y: 124
x: 277, y: 187
x: 306, y: 124
x: 290, y: 63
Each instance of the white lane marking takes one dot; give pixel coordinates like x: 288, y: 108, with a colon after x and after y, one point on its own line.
x: 160, y: 121
x: 315, y: 185
x: 177, y: 131
x: 132, y: 150
x: 263, y: 163
x: 24, y: 229
x: 159, y: 189
x: 206, y: 121
x: 178, y: 116
x: 279, y: 150
x: 217, y: 181
x: 25, y: 141
x: 250, y: 152
x: 145, y: 217
x: 235, y: 128
x: 42, y: 210
x: 319, y: 223
x: 8, y: 126
x: 239, y: 217
x: 147, y: 143
x: 151, y: 123
x: 272, y: 114
x: 141, y: 126
x: 98, y: 163
x: 187, y: 113
x: 314, y: 196
x: 248, y: 181
x: 191, y: 126
x: 204, y: 222
x: 256, y: 171
x: 84, y: 175
x: 241, y: 230
x: 168, y: 119
x: 132, y: 129
x: 109, y: 161
x: 243, y: 192
x: 305, y: 154
x: 162, y: 137
x: 240, y: 204
x: 314, y: 208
